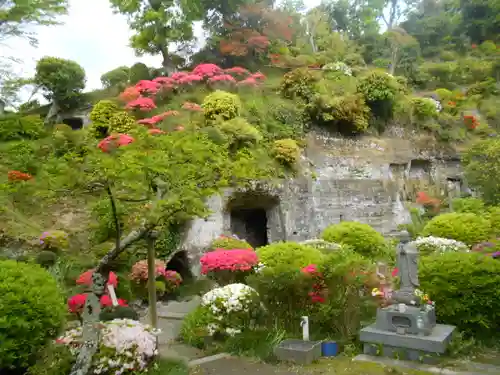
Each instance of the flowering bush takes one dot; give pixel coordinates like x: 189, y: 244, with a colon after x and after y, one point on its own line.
x: 222, y: 78
x: 114, y: 141
x: 431, y: 244
x: 142, y: 104
x: 155, y: 131
x: 192, y: 107
x: 54, y: 240
x: 319, y: 290
x: 471, y: 121
x: 125, y: 347
x: 140, y: 270
x: 172, y: 281
x: 148, y: 87
x: 228, y: 266
x: 338, y: 67
x: 129, y: 94
x: 430, y: 204
x: 86, y: 278
x: 221, y: 103
x: 18, y: 176
x: 207, y: 70
x: 76, y: 303
x: 237, y: 70
x: 234, y: 308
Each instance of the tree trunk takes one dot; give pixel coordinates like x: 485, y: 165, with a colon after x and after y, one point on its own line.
x: 53, y: 112
x: 167, y: 64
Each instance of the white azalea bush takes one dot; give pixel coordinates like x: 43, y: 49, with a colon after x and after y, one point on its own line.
x: 233, y: 308
x: 431, y: 245
x: 338, y: 66
x: 126, y: 347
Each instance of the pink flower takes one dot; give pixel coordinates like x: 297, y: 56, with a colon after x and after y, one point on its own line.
x: 178, y: 75
x: 165, y: 81
x: 151, y: 121
x: 147, y: 87
x: 231, y: 260
x: 169, y: 113
x: 142, y: 104
x: 192, y: 106
x: 395, y: 272
x: 86, y: 278
x: 223, y: 77
x: 310, y: 269
x: 250, y: 81
x: 115, y: 140
x: 260, y: 41
x: 77, y: 303
x: 207, y: 70
x: 258, y: 76
x: 190, y: 79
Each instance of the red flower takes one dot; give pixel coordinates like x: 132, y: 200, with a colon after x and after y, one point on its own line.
x: 190, y: 79
x: 310, y: 269
x: 18, y: 176
x: 151, y: 121
x: 222, y: 78
x: 250, y: 81
x: 395, y: 272
x: 142, y: 104
x: 86, y: 278
x: 155, y: 131
x: 77, y: 303
x: 316, y: 297
x: 473, y: 45
x: 207, y: 70
x: 232, y: 260
x: 238, y: 71
x: 115, y: 140
x: 130, y: 93
x: 258, y: 76
x: 107, y: 302
x: 148, y: 87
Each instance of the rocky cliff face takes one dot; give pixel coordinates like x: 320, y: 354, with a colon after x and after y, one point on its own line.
x: 366, y: 180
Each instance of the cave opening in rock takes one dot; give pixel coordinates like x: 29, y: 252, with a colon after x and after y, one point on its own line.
x: 180, y: 263
x: 250, y: 217
x: 75, y: 122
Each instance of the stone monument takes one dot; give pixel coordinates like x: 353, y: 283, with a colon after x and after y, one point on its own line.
x: 407, y: 327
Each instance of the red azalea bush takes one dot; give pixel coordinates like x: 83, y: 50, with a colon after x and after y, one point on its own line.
x: 129, y: 94
x: 237, y: 70
x: 173, y: 280
x: 222, y: 78
x: 18, y: 176
x: 228, y: 266
x: 76, y: 303
x: 207, y: 70
x: 142, y: 104
x: 86, y: 279
x: 319, y: 290
x: 148, y: 87
x: 155, y: 131
x: 471, y: 121
x: 429, y: 203
x: 113, y: 141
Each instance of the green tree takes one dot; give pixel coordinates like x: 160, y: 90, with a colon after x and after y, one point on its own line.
x: 17, y: 16
x: 481, y: 19
x: 482, y: 168
x: 157, y: 24
x: 402, y: 46
x: 117, y: 77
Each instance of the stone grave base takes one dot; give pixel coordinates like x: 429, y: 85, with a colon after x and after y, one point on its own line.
x: 407, y: 346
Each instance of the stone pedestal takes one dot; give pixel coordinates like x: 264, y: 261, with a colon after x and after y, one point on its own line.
x: 412, y: 320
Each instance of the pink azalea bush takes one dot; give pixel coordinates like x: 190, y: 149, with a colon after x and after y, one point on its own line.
x: 207, y: 70
x: 148, y: 87
x: 142, y: 104
x: 114, y: 141
x: 228, y: 266
x: 173, y: 280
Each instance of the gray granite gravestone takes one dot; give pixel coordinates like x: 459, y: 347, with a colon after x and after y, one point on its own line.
x: 408, y: 325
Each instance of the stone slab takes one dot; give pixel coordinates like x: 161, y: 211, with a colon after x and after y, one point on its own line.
x: 436, y: 342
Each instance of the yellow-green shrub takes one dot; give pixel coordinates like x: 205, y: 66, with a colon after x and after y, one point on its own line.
x: 468, y: 205
x: 362, y: 238
x: 468, y: 228
x: 121, y: 122
x: 379, y: 90
x: 289, y: 254
x: 287, y: 151
x: 423, y: 108
x: 299, y: 83
x: 229, y: 243
x: 103, y: 111
x: 238, y: 132
x: 223, y: 104
x: 443, y: 94
x: 15, y: 127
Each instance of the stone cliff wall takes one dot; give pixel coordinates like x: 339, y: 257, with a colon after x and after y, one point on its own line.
x: 362, y: 180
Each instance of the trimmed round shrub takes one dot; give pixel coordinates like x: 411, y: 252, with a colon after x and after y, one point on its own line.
x: 424, y: 108
x: 470, y: 205
x: 239, y: 133
x: 299, y: 83
x: 103, y: 111
x: 286, y: 151
x: 465, y: 289
x: 289, y: 254
x: 468, y: 228
x: 122, y: 123
x: 430, y: 245
x: 229, y: 243
x: 32, y: 311
x: 362, y: 238
x: 223, y: 104
x: 379, y: 90
x: 46, y: 258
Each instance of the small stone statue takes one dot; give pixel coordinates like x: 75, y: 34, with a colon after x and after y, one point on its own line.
x: 407, y: 260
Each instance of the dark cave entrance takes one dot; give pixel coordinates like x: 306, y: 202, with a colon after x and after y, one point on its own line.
x: 75, y: 122
x: 251, y: 224
x: 180, y: 264
x: 249, y: 215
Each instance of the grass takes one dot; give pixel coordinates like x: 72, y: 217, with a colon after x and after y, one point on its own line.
x: 169, y: 367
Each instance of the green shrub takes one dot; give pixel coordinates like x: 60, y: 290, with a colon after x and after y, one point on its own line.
x: 493, y: 215
x: 46, y: 258
x: 473, y: 70
x: 424, y: 108
x: 286, y: 151
x: 362, y: 238
x: 484, y: 88
x: 54, y: 359
x: 223, y: 104
x: 468, y: 228
x: 32, y: 312
x: 443, y: 73
x: 121, y: 122
x: 345, y: 114
x: 289, y: 254
x: 379, y: 90
x: 465, y: 289
x: 239, y: 133
x: 229, y: 243
x: 468, y: 205
x: 103, y: 111
x: 20, y: 156
x: 194, y: 329
x: 139, y: 72
x: 117, y: 77
x: 15, y: 127
x: 298, y: 84
x: 443, y: 94
x: 118, y: 312
x: 448, y: 56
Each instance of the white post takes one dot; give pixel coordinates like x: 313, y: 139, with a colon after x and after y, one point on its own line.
x: 112, y: 295
x: 305, y: 328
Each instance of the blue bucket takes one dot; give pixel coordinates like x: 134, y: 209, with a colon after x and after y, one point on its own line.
x: 329, y: 349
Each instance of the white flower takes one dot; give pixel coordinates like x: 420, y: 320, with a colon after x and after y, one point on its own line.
x: 338, y: 67
x: 440, y: 245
